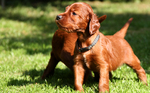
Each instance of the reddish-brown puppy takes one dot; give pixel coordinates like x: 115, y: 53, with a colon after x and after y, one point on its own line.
x: 93, y: 50
x: 63, y: 45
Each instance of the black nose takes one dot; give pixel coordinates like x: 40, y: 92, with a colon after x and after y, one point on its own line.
x: 58, y: 17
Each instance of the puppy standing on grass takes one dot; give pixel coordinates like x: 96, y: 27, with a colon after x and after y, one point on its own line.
x: 93, y: 50
x: 63, y: 45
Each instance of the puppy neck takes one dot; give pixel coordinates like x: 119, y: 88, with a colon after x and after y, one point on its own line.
x: 86, y: 39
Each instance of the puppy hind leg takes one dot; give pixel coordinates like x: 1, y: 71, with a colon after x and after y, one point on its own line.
x: 50, y: 67
x: 135, y: 64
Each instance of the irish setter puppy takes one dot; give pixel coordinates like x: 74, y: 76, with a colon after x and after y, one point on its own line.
x: 63, y: 50
x: 63, y: 44
x: 94, y: 51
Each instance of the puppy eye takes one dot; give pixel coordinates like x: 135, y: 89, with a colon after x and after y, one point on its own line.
x: 74, y: 13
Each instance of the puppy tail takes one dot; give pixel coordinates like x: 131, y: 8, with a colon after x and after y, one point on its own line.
x: 122, y: 32
x: 102, y: 18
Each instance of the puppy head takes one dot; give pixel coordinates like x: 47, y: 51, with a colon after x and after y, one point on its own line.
x: 78, y: 17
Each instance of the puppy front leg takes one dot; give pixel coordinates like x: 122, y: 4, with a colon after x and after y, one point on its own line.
x: 104, y: 79
x: 78, y: 77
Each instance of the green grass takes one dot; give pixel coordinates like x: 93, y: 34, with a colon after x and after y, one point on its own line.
x: 25, y: 44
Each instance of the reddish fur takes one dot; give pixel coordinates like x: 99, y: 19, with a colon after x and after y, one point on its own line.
x: 63, y: 44
x: 109, y: 52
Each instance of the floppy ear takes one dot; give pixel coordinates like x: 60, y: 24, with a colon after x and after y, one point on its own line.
x: 102, y: 18
x: 94, y: 24
x: 67, y: 7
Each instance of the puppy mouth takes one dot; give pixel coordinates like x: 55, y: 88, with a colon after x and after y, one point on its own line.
x: 67, y: 29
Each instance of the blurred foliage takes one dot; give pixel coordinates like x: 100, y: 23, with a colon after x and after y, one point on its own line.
x: 35, y: 2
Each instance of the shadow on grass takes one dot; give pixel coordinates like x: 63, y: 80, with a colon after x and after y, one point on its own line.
x: 113, y: 23
x: 31, y: 45
x: 114, y: 79
x: 147, y: 71
x: 61, y: 78
x: 39, y: 42
x: 137, y: 36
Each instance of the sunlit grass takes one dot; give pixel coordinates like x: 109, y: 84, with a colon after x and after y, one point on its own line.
x: 121, y: 8
x: 25, y: 44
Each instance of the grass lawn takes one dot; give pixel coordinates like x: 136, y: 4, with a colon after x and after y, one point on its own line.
x: 25, y: 44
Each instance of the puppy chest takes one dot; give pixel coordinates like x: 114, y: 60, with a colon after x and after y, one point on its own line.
x: 90, y: 63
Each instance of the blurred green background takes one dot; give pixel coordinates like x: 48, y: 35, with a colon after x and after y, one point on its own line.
x: 26, y: 31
